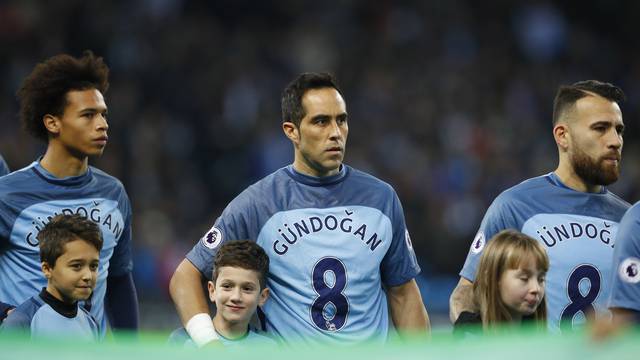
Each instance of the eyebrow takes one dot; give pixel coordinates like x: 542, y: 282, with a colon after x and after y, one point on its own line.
x: 321, y: 117
x: 82, y: 260
x: 94, y: 110
x: 525, y: 271
x: 608, y: 123
x: 325, y: 116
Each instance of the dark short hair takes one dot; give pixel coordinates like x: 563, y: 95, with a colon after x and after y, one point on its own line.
x: 245, y: 254
x: 45, y: 90
x: 568, y: 95
x: 292, y: 109
x: 63, y: 229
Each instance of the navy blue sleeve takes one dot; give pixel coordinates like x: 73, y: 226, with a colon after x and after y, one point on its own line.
x: 4, y: 168
x: 121, y: 302
x: 399, y: 264
x: 121, y: 261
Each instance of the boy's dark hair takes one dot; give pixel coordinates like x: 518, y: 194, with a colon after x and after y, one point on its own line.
x: 63, y: 229
x: 568, y: 95
x: 292, y: 109
x: 245, y: 254
x: 44, y: 91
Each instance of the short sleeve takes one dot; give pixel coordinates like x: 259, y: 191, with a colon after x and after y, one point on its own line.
x: 625, y: 291
x: 400, y: 263
x: 497, y: 218
x: 237, y: 222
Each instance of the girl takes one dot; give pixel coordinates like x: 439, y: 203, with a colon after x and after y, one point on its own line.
x: 509, y: 286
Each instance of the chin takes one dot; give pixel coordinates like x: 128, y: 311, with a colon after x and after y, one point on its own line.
x: 528, y: 311
x: 231, y: 319
x: 609, y: 177
x: 81, y: 297
x: 333, y: 166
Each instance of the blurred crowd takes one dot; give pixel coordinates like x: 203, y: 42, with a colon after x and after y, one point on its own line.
x: 448, y: 101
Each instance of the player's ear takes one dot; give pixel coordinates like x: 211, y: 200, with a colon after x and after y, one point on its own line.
x: 46, y: 269
x: 212, y: 289
x: 51, y: 123
x: 264, y: 295
x: 291, y: 131
x: 561, y: 135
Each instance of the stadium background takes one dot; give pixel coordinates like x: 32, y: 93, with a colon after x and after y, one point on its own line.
x: 449, y: 101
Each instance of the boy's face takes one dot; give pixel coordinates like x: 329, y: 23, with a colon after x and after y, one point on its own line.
x: 237, y: 294
x: 74, y: 274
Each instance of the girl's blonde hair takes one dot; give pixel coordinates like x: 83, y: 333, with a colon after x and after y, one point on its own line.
x: 506, y: 250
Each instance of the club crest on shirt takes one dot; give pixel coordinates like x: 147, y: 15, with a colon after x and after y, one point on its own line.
x: 212, y: 238
x: 478, y: 243
x: 629, y: 270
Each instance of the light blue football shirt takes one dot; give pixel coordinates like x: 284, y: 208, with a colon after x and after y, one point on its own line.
x: 577, y: 230
x: 41, y: 318
x: 333, y: 243
x: 180, y: 337
x: 625, y: 292
x: 29, y: 198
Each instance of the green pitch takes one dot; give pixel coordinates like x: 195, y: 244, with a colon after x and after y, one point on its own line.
x: 513, y: 346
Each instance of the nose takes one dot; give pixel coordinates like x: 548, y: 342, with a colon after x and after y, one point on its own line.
x: 101, y: 122
x: 336, y: 132
x: 235, y: 295
x: 614, y: 139
x: 87, y: 274
x: 536, y: 287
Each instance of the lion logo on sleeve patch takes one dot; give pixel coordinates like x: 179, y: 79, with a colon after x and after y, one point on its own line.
x: 478, y: 243
x: 629, y: 270
x: 212, y: 238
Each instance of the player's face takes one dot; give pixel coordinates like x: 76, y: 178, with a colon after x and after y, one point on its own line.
x: 522, y: 289
x: 82, y: 128
x: 237, y: 294
x: 321, y: 138
x: 596, y: 131
x: 74, y: 274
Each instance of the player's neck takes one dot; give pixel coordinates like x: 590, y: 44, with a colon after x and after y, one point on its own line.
x: 306, y: 169
x: 61, y: 163
x: 229, y: 330
x: 569, y: 178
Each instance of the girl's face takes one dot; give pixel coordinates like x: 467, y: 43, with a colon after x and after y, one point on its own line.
x: 522, y: 289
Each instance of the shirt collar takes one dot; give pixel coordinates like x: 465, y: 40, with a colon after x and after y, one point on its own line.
x: 318, y: 181
x: 67, y: 310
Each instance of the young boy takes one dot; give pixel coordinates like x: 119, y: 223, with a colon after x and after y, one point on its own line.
x: 238, y: 286
x: 70, y: 253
